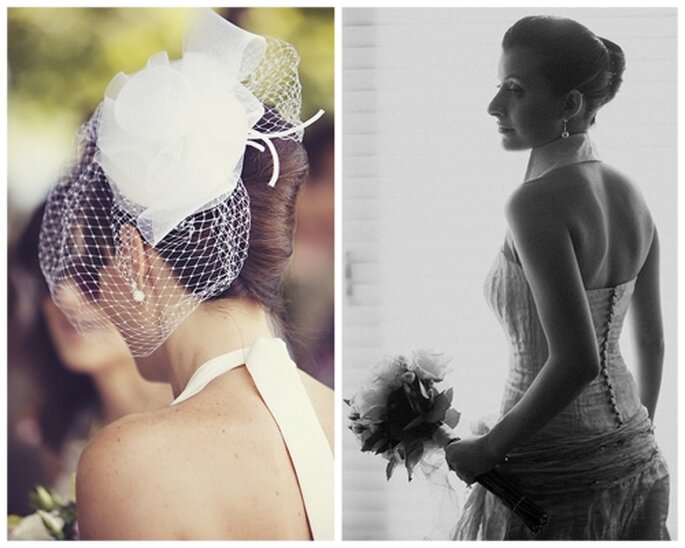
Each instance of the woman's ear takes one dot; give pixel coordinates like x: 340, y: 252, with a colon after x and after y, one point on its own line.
x: 574, y: 105
x: 133, y: 247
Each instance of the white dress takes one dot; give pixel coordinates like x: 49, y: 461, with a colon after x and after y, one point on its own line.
x: 595, y: 468
x: 278, y: 382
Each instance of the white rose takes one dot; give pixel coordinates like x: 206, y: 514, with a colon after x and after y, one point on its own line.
x: 430, y: 364
x: 30, y: 528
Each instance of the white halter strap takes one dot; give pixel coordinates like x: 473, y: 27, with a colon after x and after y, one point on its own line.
x: 278, y: 382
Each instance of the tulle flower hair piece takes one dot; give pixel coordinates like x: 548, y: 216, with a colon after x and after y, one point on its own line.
x: 177, y: 122
x: 164, y: 153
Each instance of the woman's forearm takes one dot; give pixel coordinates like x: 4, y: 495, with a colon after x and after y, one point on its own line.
x: 650, y: 360
x: 556, y: 386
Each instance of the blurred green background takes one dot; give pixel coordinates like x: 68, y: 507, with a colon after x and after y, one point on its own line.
x: 61, y: 59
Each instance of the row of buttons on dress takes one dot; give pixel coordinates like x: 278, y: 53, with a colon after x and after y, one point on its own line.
x: 604, y: 358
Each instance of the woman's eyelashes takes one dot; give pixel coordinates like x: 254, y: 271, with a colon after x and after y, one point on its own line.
x: 511, y: 88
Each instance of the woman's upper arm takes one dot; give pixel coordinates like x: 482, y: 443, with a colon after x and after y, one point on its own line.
x: 646, y: 300
x: 545, y: 247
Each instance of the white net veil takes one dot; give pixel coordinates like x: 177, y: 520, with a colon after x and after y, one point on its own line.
x: 153, y: 218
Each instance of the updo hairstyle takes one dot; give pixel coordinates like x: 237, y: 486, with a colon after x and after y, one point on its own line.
x: 571, y: 57
x: 272, y: 226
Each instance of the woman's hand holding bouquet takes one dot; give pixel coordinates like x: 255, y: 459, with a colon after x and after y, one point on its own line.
x: 401, y: 415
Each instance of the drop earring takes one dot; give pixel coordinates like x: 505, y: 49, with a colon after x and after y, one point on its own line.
x: 136, y: 293
x: 564, y: 132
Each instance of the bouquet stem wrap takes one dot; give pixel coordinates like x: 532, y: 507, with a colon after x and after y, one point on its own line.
x: 532, y: 515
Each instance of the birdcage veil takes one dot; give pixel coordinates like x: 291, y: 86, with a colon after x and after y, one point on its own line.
x: 162, y: 157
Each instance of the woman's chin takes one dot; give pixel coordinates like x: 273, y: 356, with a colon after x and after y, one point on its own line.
x: 511, y: 142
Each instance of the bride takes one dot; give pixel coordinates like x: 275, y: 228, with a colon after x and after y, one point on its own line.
x: 176, y: 226
x: 582, y: 250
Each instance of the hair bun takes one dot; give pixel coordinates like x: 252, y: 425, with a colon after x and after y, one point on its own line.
x: 617, y: 64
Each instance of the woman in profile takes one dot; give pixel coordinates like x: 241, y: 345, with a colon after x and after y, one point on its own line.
x: 575, y: 431
x: 65, y: 387
x: 176, y: 227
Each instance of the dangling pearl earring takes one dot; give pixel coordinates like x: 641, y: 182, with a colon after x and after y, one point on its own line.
x: 136, y: 293
x: 564, y: 132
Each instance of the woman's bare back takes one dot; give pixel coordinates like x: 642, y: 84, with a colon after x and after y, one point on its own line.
x: 610, y: 224
x: 212, y: 467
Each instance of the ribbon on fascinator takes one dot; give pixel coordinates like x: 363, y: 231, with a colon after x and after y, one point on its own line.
x: 172, y: 136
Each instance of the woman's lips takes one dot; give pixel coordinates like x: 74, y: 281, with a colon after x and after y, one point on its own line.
x: 503, y: 129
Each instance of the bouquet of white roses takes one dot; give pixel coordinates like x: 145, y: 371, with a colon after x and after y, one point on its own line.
x: 401, y: 415
x: 54, y: 518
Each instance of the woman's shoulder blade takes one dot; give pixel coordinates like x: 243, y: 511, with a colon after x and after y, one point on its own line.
x: 566, y: 191
x: 136, y: 477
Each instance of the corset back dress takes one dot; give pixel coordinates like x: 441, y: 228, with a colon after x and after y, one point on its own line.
x: 595, y: 468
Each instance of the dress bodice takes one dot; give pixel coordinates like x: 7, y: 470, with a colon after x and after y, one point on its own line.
x: 611, y: 398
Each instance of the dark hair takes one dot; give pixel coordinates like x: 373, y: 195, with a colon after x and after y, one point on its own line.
x: 272, y: 224
x: 571, y: 57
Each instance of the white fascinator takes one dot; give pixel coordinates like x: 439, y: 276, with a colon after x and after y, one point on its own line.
x: 163, y: 153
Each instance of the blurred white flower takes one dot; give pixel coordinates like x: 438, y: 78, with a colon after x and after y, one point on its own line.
x: 30, y: 528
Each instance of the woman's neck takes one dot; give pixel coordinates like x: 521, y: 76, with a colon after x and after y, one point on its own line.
x: 577, y: 148
x: 213, y: 329
x: 123, y: 391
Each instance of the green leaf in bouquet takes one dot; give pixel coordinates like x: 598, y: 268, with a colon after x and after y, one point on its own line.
x: 375, y: 413
x: 420, y: 433
x: 43, y: 499
x: 401, y: 412
x: 384, y: 446
x: 440, y: 406
x: 452, y: 417
x: 414, y: 453
x: 52, y: 523
x: 449, y: 394
x: 371, y: 441
x: 433, y: 393
x: 389, y: 469
x: 410, y: 399
x: 422, y: 389
x: 416, y: 422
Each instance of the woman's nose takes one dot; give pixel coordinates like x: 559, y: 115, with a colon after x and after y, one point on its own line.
x: 495, y: 107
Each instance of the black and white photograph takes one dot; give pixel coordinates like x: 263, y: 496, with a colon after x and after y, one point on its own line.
x: 509, y: 248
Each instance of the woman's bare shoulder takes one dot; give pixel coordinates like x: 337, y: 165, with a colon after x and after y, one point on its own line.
x: 134, y: 480
x: 535, y: 206
x: 122, y: 477
x: 133, y: 432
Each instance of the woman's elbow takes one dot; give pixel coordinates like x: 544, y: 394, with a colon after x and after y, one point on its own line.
x: 582, y: 367
x: 589, y: 371
x: 652, y: 345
